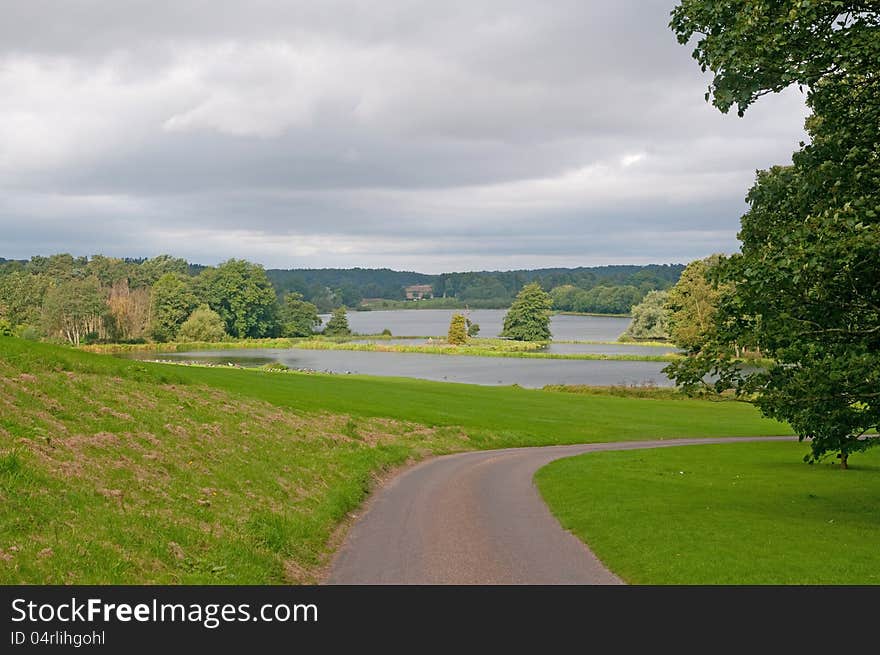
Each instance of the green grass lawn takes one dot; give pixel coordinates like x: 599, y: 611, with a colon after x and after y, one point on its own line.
x: 495, y: 417
x: 118, y: 471
x: 749, y: 513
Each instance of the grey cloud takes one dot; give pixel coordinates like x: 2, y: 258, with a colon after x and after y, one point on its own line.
x: 403, y: 134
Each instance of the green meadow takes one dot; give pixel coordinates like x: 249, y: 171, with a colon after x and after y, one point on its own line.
x: 118, y: 471
x: 744, y: 513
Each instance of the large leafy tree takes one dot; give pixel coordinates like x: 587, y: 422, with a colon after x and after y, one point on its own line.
x: 21, y: 297
x: 298, y: 317
x: 650, y: 319
x: 241, y: 293
x: 74, y: 309
x: 171, y: 302
x: 528, y: 318
x: 693, y: 303
x: 807, y: 280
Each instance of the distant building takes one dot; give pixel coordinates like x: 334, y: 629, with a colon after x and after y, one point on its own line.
x: 419, y: 292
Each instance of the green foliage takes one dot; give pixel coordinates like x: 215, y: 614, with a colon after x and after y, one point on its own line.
x: 386, y: 332
x: 298, y: 318
x: 150, y: 270
x: 650, y: 319
x: 74, y: 308
x: 457, y: 335
x: 240, y: 292
x: 528, y: 318
x: 171, y: 302
x: 693, y: 303
x: 21, y: 297
x: 5, y: 328
x: 337, y: 326
x: 756, y: 48
x: 204, y: 324
x: 329, y: 288
x: 807, y: 282
x: 603, y: 299
x: 473, y: 329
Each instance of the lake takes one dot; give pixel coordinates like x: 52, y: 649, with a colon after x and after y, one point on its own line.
x: 532, y: 373
x: 435, y: 322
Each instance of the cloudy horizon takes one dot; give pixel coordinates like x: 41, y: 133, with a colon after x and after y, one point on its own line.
x: 409, y: 135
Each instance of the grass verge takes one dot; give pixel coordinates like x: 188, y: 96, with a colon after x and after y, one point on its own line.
x: 748, y: 513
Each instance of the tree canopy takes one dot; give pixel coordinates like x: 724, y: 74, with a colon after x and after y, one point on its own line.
x: 528, y: 318
x: 650, y: 319
x: 337, y: 325
x: 298, y: 318
x: 693, y: 303
x: 458, y: 330
x: 241, y: 293
x: 171, y: 301
x: 204, y: 324
x: 807, y: 280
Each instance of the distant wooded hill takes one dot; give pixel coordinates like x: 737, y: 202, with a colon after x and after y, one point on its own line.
x: 615, y: 288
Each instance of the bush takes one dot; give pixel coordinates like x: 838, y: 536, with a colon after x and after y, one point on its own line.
x: 386, y: 332
x: 5, y: 328
x: 30, y: 333
x: 204, y: 324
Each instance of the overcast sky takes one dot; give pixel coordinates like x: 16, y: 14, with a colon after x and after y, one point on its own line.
x: 417, y: 135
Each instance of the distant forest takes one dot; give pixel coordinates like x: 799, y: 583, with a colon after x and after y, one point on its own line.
x: 600, y: 289
x: 110, y: 299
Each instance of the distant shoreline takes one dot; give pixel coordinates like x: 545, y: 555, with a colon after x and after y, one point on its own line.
x: 476, y: 347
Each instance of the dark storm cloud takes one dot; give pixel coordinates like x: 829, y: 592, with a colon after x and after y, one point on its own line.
x: 420, y: 135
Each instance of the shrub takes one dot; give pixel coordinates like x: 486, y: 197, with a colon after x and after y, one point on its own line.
x: 204, y: 324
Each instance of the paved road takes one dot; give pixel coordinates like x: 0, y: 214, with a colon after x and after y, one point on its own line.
x: 475, y: 518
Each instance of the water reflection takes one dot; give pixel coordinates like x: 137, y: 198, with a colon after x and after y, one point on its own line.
x: 533, y: 373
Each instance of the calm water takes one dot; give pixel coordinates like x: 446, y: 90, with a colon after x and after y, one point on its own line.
x: 435, y: 322
x: 532, y: 373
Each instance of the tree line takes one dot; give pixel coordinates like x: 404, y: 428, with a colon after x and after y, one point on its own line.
x: 94, y: 299
x: 685, y: 313
x: 81, y: 300
x: 601, y: 289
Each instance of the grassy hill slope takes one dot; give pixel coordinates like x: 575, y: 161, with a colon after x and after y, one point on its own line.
x: 115, y: 471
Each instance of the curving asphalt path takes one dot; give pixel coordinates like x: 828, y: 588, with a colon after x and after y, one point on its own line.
x: 476, y: 518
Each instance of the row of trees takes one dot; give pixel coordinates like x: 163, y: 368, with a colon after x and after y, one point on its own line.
x: 80, y: 299
x: 528, y: 319
x: 686, y: 313
x: 122, y: 300
x: 330, y: 288
x: 598, y: 300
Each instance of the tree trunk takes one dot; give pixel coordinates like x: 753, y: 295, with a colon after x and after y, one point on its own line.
x: 843, y: 458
